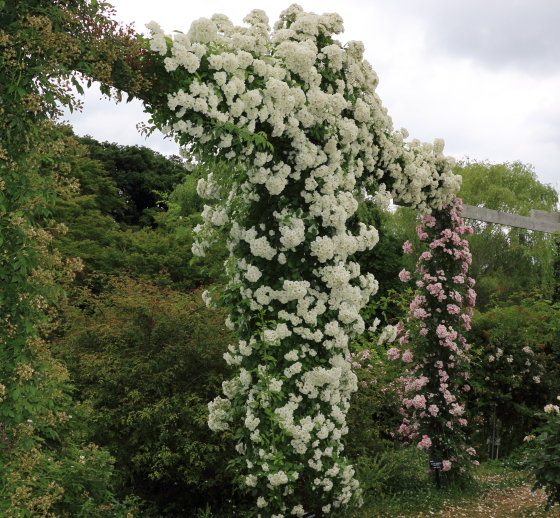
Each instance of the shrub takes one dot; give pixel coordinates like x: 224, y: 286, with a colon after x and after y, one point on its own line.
x: 516, y: 357
x: 543, y: 457
x: 146, y: 361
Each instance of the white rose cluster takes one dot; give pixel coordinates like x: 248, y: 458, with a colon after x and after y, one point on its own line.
x: 296, y: 115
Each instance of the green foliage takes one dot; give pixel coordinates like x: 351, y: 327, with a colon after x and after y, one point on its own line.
x: 516, y: 365
x: 396, y: 482
x: 384, y: 260
x: 374, y: 412
x: 40, y: 43
x: 89, y: 203
x: 543, y: 456
x: 146, y: 361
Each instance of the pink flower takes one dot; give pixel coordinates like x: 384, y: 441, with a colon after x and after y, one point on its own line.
x: 404, y: 276
x: 434, y: 289
x: 428, y: 220
x: 393, y: 353
x: 407, y: 247
x: 403, y: 429
x: 426, y: 255
x: 458, y: 279
x: 446, y: 465
x: 476, y: 463
x: 418, y: 401
x: 471, y: 451
x: 407, y: 356
x: 425, y: 443
x: 466, y: 388
x: 453, y: 309
x: 420, y: 231
x: 423, y: 331
x: 433, y: 409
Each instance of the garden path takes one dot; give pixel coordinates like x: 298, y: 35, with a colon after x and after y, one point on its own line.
x: 511, y: 502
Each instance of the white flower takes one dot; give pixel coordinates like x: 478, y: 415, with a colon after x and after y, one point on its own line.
x: 253, y: 274
x: 203, y: 30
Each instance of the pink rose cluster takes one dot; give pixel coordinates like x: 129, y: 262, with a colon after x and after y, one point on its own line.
x: 425, y: 443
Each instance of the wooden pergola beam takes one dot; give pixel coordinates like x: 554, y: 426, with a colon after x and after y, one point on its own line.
x: 540, y: 220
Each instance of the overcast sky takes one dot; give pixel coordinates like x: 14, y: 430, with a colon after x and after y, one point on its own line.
x: 484, y: 75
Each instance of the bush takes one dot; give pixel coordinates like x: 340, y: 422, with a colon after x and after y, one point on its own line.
x: 146, y: 361
x: 543, y: 457
x: 516, y: 358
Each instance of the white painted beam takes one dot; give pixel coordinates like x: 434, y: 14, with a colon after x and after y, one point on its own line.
x: 541, y: 223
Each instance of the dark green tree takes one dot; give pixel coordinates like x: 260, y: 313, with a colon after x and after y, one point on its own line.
x: 142, y: 176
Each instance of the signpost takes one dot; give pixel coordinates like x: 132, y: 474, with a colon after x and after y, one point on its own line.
x: 436, y: 465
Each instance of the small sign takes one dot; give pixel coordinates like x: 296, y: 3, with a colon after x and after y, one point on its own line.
x: 436, y: 464
x: 308, y: 515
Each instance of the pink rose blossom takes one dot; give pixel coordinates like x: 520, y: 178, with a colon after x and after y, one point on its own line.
x: 393, y: 353
x: 404, y: 276
x: 428, y: 220
x: 421, y: 234
x: 453, y: 309
x: 425, y: 443
x: 407, y: 247
x: 407, y: 356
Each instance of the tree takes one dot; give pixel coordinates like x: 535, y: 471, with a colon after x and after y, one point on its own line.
x: 143, y: 178
x: 40, y: 43
x: 517, y: 357
x: 145, y: 362
x: 505, y: 259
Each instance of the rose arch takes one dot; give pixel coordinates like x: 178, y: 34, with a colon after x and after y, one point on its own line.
x: 297, y: 113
